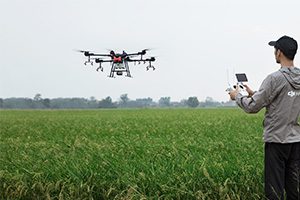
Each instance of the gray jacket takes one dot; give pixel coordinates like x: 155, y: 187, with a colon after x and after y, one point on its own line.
x: 280, y: 94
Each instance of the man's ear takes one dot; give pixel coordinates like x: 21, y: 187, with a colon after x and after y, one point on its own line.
x: 278, y: 52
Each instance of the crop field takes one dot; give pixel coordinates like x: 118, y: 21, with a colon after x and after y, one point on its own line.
x: 131, y: 154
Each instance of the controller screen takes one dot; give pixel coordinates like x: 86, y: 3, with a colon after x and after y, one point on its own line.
x: 241, y: 77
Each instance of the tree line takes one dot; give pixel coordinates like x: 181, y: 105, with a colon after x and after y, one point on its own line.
x: 92, y: 103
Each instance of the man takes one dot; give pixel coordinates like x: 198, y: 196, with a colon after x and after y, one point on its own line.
x: 279, y: 93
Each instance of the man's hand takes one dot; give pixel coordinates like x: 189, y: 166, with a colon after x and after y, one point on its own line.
x: 234, y: 92
x: 250, y: 92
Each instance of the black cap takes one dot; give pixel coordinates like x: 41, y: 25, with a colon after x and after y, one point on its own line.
x: 287, y: 45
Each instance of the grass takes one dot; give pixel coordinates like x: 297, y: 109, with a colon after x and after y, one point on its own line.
x: 131, y: 154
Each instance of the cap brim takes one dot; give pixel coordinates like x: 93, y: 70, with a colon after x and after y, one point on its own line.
x: 272, y: 43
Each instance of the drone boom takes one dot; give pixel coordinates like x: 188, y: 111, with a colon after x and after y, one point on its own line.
x: 102, y: 55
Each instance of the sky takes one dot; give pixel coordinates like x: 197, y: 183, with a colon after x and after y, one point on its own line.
x: 198, y: 44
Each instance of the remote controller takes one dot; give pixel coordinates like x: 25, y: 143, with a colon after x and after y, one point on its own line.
x: 240, y: 78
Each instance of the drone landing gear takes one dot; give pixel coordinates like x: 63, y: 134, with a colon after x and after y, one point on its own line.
x: 150, y: 66
x: 100, y: 67
x: 116, y: 68
x: 88, y: 61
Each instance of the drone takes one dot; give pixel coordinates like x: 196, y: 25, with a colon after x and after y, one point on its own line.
x: 119, y: 62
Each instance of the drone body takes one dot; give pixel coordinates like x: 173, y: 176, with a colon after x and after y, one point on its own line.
x: 119, y: 62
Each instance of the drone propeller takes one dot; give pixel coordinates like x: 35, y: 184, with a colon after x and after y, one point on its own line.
x: 81, y: 51
x: 144, y: 51
x: 86, y: 53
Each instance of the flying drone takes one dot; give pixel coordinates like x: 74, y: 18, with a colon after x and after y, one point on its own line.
x: 119, y: 62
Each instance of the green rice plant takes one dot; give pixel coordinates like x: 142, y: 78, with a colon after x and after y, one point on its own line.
x: 131, y: 154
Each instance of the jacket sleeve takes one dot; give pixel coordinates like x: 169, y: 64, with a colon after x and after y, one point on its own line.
x: 260, y: 99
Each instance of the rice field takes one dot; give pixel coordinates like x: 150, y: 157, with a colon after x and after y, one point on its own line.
x: 131, y: 154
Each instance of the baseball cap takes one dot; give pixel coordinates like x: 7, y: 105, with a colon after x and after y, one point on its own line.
x: 287, y: 45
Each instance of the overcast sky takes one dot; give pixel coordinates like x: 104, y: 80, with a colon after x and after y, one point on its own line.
x: 196, y: 43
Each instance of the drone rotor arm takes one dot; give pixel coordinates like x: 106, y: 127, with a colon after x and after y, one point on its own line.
x: 101, y: 55
x: 133, y: 54
x: 143, y: 52
x: 98, y: 60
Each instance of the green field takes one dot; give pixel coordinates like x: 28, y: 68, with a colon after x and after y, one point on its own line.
x: 131, y: 154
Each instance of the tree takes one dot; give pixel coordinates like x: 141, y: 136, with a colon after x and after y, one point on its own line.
x: 210, y: 102
x: 142, y: 103
x: 145, y: 100
x: 183, y: 103
x: 164, y: 101
x: 192, y: 102
x: 46, y: 103
x: 37, y: 101
x: 124, y: 99
x: 107, y: 103
x: 92, y: 103
x: 37, y: 97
